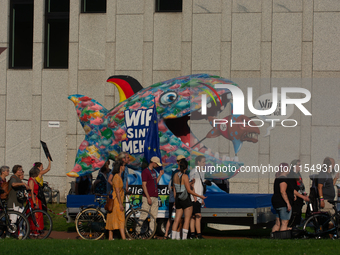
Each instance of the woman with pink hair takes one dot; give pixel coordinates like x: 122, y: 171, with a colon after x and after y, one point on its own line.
x: 282, y: 198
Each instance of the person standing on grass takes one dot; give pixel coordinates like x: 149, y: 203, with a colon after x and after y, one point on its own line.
x: 197, y: 179
x: 35, y: 201
x: 150, y: 189
x: 326, y: 185
x: 124, y: 158
x: 182, y: 200
x: 172, y: 197
x: 282, y: 198
x: 116, y: 219
x: 299, y: 192
x: 15, y: 184
x: 42, y: 171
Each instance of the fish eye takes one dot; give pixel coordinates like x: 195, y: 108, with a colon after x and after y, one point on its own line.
x: 168, y: 98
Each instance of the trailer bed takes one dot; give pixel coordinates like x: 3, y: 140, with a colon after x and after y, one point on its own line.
x: 223, y: 208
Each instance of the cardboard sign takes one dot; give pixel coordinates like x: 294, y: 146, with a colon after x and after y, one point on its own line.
x: 47, y: 153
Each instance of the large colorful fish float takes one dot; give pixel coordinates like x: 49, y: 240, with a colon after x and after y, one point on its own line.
x: 177, y: 101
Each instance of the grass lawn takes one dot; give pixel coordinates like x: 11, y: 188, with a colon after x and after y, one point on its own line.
x: 258, y: 244
x: 211, y: 246
x: 59, y: 222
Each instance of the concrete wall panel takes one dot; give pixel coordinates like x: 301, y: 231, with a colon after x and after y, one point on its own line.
x: 129, y: 42
x: 206, y: 42
x: 19, y: 95
x: 287, y: 37
x: 54, y: 95
x: 167, y: 42
x: 246, y: 41
x: 92, y: 38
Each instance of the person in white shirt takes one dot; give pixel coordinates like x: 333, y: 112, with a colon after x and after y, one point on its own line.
x: 197, y: 179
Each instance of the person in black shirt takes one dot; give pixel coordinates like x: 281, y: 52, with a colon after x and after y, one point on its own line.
x: 326, y: 185
x: 299, y: 192
x: 282, y: 198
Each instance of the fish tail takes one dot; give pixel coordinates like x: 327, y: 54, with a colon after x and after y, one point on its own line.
x: 88, y: 110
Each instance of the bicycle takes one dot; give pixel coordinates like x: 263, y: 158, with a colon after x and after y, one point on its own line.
x: 41, y: 223
x: 90, y: 222
x: 135, y: 227
x: 13, y: 224
x: 321, y: 224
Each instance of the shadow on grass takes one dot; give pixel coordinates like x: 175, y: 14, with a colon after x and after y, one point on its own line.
x: 251, y: 233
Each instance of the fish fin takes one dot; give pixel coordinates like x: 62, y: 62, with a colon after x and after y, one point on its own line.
x: 87, y: 109
x: 72, y: 174
x: 126, y: 85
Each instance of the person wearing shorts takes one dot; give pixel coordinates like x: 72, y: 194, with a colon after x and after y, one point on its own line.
x: 283, y: 213
x: 172, y: 198
x: 183, y: 203
x: 282, y: 198
x: 196, y: 180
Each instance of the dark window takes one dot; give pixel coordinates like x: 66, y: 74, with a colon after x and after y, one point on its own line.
x: 58, y: 6
x: 169, y: 5
x: 21, y: 34
x: 57, y: 33
x: 93, y: 6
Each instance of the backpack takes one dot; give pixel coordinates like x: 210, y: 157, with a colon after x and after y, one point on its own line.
x: 182, y: 195
x: 41, y: 196
x: 6, y: 189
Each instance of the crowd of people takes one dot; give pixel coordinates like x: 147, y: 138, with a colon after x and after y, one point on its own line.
x: 289, y: 193
x: 15, y: 185
x: 186, y: 194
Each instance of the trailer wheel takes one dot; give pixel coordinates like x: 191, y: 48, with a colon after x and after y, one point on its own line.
x: 161, y: 225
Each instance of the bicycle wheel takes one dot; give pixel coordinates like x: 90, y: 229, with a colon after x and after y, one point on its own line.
x: 16, y: 227
x: 318, y: 226
x: 137, y: 227
x: 90, y: 224
x: 40, y: 224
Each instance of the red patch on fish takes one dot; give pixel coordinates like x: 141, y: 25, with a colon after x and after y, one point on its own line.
x: 88, y: 160
x: 176, y: 86
x: 185, y: 93
x: 85, y: 118
x: 84, y: 98
x: 120, y: 115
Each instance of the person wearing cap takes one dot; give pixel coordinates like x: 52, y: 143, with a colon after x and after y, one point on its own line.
x: 172, y: 197
x: 150, y: 189
x: 178, y: 159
